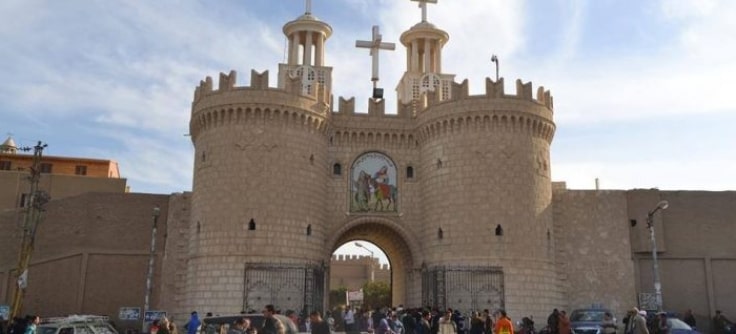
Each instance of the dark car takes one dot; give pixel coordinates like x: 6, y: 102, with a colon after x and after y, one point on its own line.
x: 588, y: 321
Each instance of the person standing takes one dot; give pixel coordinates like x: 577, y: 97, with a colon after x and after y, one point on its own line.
x: 719, y: 323
x: 271, y: 325
x: 424, y: 326
x: 476, y: 323
x: 349, y: 319
x: 488, y: 319
x: 637, y: 324
x: 33, y: 324
x: 689, y: 318
x: 608, y: 325
x: 564, y: 326
x: 553, y: 322
x: 192, y: 326
x: 319, y: 326
x: 446, y: 325
x: 238, y: 327
x: 504, y: 324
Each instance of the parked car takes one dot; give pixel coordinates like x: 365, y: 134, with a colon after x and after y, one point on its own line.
x: 256, y: 321
x: 678, y: 326
x: 77, y: 324
x: 588, y: 321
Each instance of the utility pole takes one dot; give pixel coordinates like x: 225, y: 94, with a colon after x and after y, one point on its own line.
x: 34, y: 211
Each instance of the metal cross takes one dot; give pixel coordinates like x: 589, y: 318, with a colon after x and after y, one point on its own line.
x: 309, y: 7
x: 423, y: 6
x: 375, y: 45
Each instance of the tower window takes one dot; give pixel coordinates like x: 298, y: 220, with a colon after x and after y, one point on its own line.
x: 204, y: 156
x: 410, y: 172
x: 80, y: 170
x: 5, y: 165
x: 337, y: 169
x: 47, y: 168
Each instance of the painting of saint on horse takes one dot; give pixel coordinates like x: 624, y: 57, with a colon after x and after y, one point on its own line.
x: 373, y: 186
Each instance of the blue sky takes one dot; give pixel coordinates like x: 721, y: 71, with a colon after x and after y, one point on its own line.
x: 643, y: 89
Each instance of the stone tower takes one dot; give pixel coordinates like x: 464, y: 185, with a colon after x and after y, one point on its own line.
x: 259, y: 177
x: 454, y: 188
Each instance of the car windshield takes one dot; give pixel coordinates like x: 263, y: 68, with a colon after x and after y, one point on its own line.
x: 587, y: 315
x: 678, y: 324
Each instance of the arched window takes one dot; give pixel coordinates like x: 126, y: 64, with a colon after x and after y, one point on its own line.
x: 337, y: 169
x: 410, y: 172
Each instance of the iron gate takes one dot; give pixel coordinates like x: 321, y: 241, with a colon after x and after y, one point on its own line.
x: 463, y: 288
x: 287, y: 287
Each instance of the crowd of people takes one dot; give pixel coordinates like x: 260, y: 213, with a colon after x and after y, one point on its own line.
x: 406, y: 321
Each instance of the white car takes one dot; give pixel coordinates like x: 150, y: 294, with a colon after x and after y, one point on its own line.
x: 77, y: 324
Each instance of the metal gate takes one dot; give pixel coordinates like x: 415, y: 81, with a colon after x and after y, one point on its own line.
x: 287, y: 287
x: 463, y: 288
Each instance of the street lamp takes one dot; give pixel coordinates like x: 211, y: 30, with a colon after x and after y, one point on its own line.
x: 151, y: 258
x: 373, y: 273
x: 494, y: 59
x: 655, y: 266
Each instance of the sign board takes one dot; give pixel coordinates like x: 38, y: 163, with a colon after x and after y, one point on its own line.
x: 355, y: 296
x: 129, y: 313
x: 4, y: 312
x: 153, y: 315
x: 647, y: 301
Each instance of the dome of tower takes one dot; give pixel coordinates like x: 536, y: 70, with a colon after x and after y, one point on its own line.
x: 423, y: 30
x: 8, y: 146
x: 307, y: 22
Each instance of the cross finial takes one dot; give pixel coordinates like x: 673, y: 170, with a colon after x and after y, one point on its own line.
x: 309, y: 7
x: 423, y: 6
x: 375, y: 45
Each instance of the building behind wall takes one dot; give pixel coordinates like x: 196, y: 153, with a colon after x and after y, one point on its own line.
x: 60, y: 176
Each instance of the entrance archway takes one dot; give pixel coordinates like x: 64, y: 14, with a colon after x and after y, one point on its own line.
x: 399, y: 246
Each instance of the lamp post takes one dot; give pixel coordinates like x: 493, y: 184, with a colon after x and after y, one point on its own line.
x: 373, y: 273
x: 655, y: 266
x: 151, y: 259
x: 494, y: 59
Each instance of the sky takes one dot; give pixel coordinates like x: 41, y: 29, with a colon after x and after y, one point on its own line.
x: 644, y: 91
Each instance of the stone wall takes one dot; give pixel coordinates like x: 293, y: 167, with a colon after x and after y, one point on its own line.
x: 696, y: 252
x: 593, y: 249
x: 352, y: 271
x: 91, y: 255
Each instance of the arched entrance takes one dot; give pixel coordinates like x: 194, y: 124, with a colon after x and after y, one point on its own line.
x: 398, y: 245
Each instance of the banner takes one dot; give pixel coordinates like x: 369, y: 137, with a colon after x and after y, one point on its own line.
x: 129, y: 313
x: 4, y: 312
x: 355, y: 296
x: 154, y: 315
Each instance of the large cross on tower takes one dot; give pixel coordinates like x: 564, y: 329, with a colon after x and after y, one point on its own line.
x: 309, y: 7
x: 423, y: 6
x: 375, y: 45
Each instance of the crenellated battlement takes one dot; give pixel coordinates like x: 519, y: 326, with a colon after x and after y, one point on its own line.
x: 258, y: 82
x: 494, y: 90
x: 232, y: 104
x: 351, y: 259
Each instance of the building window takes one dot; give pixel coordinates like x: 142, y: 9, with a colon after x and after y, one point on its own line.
x: 410, y: 172
x: 5, y: 165
x: 80, y: 170
x: 23, y: 200
x: 46, y: 168
x: 337, y: 169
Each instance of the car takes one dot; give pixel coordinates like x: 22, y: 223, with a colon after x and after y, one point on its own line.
x: 588, y: 321
x: 678, y: 326
x: 77, y: 324
x: 256, y: 321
